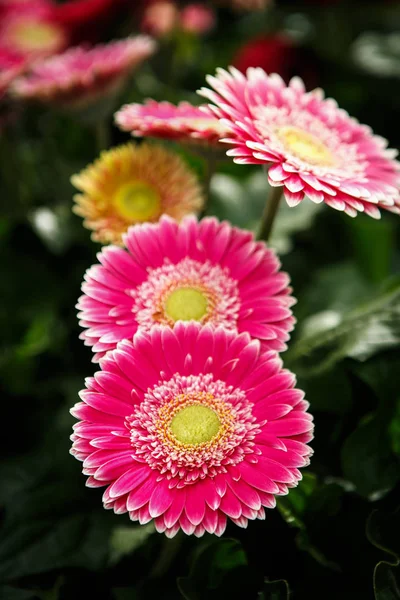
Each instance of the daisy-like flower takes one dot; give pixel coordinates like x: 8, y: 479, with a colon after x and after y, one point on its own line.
x: 132, y: 184
x: 190, y: 427
x: 184, y: 122
x: 313, y: 148
x: 204, y: 271
x: 31, y: 32
x: 80, y: 76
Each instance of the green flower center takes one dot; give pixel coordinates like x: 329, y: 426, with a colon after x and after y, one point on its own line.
x: 186, y: 304
x: 195, y: 424
x: 305, y: 146
x: 137, y: 201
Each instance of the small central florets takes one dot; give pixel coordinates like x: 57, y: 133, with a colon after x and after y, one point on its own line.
x: 195, y: 424
x: 137, y: 201
x: 185, y: 304
x: 305, y: 146
x: 192, y: 427
x: 188, y: 290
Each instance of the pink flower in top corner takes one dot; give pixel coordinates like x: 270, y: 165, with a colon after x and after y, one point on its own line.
x: 28, y: 29
x: 197, y: 18
x: 207, y: 271
x: 80, y: 75
x: 191, y: 426
x: 312, y: 147
x: 160, y: 18
x: 184, y: 122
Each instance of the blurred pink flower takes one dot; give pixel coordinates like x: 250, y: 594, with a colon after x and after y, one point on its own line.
x: 160, y: 18
x: 191, y: 426
x: 30, y: 31
x: 197, y: 18
x: 80, y: 75
x: 184, y: 122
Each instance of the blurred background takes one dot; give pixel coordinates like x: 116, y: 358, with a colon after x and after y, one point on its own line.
x: 336, y: 535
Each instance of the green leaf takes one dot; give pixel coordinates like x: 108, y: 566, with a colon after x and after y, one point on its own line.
x: 367, y: 458
x: 124, y: 540
x: 363, y: 332
x: 373, y: 242
x: 383, y: 530
x: 304, y: 506
x: 329, y: 392
x: 216, y: 572
x: 275, y: 590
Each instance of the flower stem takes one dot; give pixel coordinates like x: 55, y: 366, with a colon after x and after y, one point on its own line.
x: 209, y: 171
x: 169, y: 550
x: 270, y: 212
x: 102, y: 135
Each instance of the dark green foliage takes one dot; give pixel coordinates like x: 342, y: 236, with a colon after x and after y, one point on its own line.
x: 336, y: 536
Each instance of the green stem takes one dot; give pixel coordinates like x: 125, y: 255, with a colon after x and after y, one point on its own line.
x: 169, y: 550
x: 102, y: 135
x: 209, y: 171
x: 270, y: 212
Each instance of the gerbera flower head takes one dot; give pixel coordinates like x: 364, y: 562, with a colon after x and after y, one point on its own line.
x: 192, y: 426
x: 312, y: 147
x: 184, y: 122
x: 31, y: 32
x: 206, y: 271
x: 132, y: 184
x: 80, y: 76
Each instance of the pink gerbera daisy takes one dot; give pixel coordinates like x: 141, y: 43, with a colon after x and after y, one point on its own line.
x: 81, y: 75
x: 313, y: 148
x: 191, y: 426
x: 183, y: 122
x: 205, y: 271
x: 30, y: 31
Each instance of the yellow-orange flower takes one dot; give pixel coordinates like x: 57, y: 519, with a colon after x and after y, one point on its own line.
x: 134, y: 184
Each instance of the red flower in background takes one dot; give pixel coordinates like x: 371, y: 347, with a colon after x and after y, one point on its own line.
x: 277, y: 53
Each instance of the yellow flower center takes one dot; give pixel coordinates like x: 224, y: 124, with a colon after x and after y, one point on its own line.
x: 185, y: 304
x: 138, y: 201
x: 195, y: 424
x: 305, y: 146
x: 35, y: 36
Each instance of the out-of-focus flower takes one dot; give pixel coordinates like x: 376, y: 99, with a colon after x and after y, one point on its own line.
x: 311, y: 146
x: 378, y: 53
x: 184, y: 122
x: 274, y: 54
x: 32, y: 32
x: 190, y: 427
x: 11, y: 65
x: 131, y: 184
x: 197, y: 18
x: 205, y: 271
x: 160, y: 18
x: 80, y: 76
